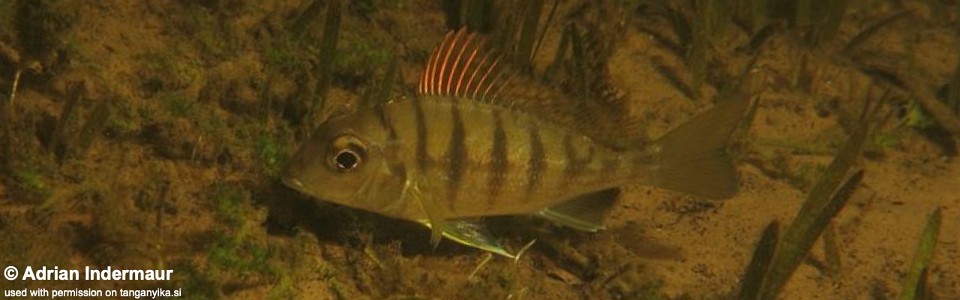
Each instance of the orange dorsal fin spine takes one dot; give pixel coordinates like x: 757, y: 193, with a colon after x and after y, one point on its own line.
x: 463, y: 66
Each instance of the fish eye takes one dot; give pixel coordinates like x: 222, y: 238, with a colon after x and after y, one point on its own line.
x: 347, y: 153
x: 346, y: 159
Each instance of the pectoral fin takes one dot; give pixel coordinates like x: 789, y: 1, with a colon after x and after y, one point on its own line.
x: 434, y: 220
x: 585, y: 212
x: 413, y: 191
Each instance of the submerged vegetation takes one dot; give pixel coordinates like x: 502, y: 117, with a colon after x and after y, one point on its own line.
x: 775, y: 259
x: 152, y: 136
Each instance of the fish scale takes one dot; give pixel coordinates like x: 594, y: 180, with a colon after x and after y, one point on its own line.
x: 525, y: 179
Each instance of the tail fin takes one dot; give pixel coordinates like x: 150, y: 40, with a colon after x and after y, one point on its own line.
x: 692, y: 158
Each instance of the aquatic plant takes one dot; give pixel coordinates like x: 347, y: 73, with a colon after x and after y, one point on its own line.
x: 915, y: 285
x: 40, y: 26
x: 776, y: 258
x: 573, y: 66
x: 904, y: 80
x: 824, y: 21
x: 381, y: 89
x: 530, y: 30
x: 709, y: 20
x: 69, y: 138
x: 327, y: 55
x: 871, y: 31
x: 952, y: 91
x: 476, y: 15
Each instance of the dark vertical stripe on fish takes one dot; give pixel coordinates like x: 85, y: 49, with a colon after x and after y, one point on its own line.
x: 574, y: 164
x: 397, y: 167
x: 537, y: 163
x: 421, y: 134
x: 456, y: 154
x: 498, y: 159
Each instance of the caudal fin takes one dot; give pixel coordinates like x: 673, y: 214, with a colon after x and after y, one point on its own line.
x: 692, y: 158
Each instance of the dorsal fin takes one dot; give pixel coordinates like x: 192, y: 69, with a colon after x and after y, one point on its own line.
x: 463, y: 66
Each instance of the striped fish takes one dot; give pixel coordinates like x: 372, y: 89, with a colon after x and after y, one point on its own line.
x: 472, y: 143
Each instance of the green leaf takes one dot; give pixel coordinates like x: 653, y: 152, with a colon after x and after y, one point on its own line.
x: 913, y: 286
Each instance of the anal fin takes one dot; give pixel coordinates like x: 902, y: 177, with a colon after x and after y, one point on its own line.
x: 585, y: 212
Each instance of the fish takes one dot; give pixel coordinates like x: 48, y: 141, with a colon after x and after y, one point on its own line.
x: 478, y: 140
